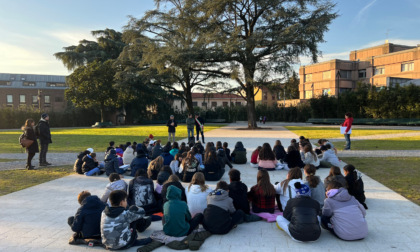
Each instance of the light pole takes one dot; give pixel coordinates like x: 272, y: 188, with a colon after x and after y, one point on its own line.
x: 39, y: 99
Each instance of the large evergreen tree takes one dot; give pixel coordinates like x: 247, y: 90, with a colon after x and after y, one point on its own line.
x: 258, y: 41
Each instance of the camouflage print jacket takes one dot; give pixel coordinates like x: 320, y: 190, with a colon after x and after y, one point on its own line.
x: 115, y: 225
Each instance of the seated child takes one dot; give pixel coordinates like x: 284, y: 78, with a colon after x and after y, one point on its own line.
x: 213, y: 167
x: 141, y: 193
x: 188, y: 167
x: 355, y: 184
x: 197, y: 192
x: 295, y: 144
x: 119, y: 226
x: 262, y: 195
x: 335, y: 175
x: 175, y: 163
x: 238, y: 191
x: 293, y: 158
x: 221, y: 155
x: 308, y: 155
x: 177, y: 217
x: 315, y: 184
x: 172, y: 180
x: 140, y: 161
x: 111, y: 146
x: 78, y: 163
x: 154, y: 167
x: 254, y: 157
x: 174, y: 150
x: 328, y: 158
x: 279, y: 151
x: 300, y: 217
x: 87, y: 221
x: 266, y: 158
x: 227, y: 151
x: 162, y: 177
x: 112, y: 163
x: 128, y: 154
x: 167, y: 157
x: 90, y: 165
x: 120, y: 150
x: 343, y: 215
x: 239, y: 154
x: 220, y: 216
x: 286, y: 189
x: 116, y: 183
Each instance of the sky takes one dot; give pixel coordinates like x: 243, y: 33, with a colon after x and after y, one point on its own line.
x: 32, y: 31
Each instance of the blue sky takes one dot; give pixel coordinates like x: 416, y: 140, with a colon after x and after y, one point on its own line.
x: 32, y: 31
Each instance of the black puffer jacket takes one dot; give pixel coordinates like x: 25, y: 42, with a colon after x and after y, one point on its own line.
x: 88, y: 217
x: 88, y: 163
x: 302, y: 213
x: 238, y: 192
x: 280, y: 152
x: 141, y: 194
x: 221, y: 155
x: 44, y: 132
x: 213, y: 170
x: 111, y: 163
x: 293, y: 159
x: 30, y: 134
x: 356, y: 187
x: 78, y: 163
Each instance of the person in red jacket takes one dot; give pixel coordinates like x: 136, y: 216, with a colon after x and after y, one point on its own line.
x: 347, y: 123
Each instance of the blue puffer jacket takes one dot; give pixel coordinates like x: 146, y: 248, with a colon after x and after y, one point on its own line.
x: 139, y: 162
x: 111, y: 163
x: 88, y: 217
x: 167, y: 158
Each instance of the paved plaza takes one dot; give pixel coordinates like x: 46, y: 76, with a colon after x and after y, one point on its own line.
x: 35, y: 219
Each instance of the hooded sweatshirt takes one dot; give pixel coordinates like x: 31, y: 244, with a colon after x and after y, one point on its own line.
x: 116, y: 185
x: 128, y: 155
x: 238, y: 192
x: 139, y: 162
x: 115, y: 225
x: 285, y: 194
x: 176, y: 214
x: 78, y: 163
x: 239, y: 154
x: 329, y: 156
x: 111, y: 163
x: 88, y: 217
x: 197, y: 199
x: 217, y: 219
x: 347, y: 215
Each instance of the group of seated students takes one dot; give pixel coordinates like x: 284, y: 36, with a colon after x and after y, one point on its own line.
x: 297, y: 155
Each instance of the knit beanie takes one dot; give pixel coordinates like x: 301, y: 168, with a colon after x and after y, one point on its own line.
x: 302, y: 189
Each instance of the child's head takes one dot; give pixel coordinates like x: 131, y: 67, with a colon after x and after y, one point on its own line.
x: 82, y: 196
x: 175, y: 145
x: 291, y: 148
x: 263, y: 177
x: 93, y: 155
x: 349, y: 115
x: 114, y: 177
x: 198, y: 179
x: 141, y: 173
x: 277, y: 143
x: 293, y: 141
x: 111, y: 144
x: 234, y: 175
x: 222, y: 185
x: 263, y: 181
x: 121, y: 146
x: 323, y: 148
x: 333, y: 185
x: 118, y: 198
x: 172, y: 178
x: 178, y: 157
x: 349, y: 169
x: 294, y: 173
x: 310, y: 172
x: 266, y: 153
x: 218, y: 145
x: 334, y: 170
x: 225, y: 145
x: 127, y: 144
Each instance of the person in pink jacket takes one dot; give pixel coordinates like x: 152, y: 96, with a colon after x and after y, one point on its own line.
x: 347, y: 123
x: 266, y: 158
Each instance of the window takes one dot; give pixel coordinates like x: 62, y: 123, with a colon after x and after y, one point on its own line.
x: 345, y: 74
x: 47, y: 99
x: 214, y: 104
x: 5, y: 83
x: 308, y: 94
x: 362, y: 74
x: 22, y: 98
x: 29, y: 84
x: 9, y: 99
x: 308, y: 77
x: 265, y: 96
x: 409, y: 66
x: 23, y: 77
x: 326, y: 92
x: 204, y: 104
x: 379, y: 70
x: 343, y: 90
x: 13, y: 77
x: 195, y: 104
x: 238, y: 103
x: 326, y: 75
x: 53, y: 84
x: 225, y: 104
x: 58, y: 99
x: 34, y: 99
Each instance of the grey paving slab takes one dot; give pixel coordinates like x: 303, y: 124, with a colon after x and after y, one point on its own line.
x: 35, y: 219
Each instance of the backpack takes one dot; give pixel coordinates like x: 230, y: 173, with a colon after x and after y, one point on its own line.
x: 37, y: 131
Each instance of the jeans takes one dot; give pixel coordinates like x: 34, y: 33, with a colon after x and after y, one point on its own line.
x: 348, y: 143
x: 93, y: 171
x: 43, y: 153
x: 171, y: 135
x: 190, y: 133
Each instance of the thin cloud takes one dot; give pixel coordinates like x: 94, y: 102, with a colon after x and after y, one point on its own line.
x: 362, y: 12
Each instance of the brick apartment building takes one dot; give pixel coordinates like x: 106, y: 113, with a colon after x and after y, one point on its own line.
x: 378, y: 66
x: 45, y: 92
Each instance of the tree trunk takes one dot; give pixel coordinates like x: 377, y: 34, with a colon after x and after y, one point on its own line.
x: 250, y: 105
x: 188, y: 100
x: 102, y: 112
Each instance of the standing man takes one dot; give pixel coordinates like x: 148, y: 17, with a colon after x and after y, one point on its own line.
x: 199, y: 127
x: 190, y: 127
x: 44, y: 138
x: 171, y: 128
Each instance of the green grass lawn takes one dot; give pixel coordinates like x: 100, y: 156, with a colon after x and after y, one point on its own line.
x: 401, y: 174
x: 8, y: 160
x: 402, y: 143
x: 78, y: 139
x: 313, y: 132
x: 16, y: 180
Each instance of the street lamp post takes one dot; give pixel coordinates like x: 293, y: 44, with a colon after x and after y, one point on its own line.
x: 39, y: 99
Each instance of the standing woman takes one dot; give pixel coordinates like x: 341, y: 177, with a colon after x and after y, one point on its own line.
x: 347, y: 123
x: 29, y: 132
